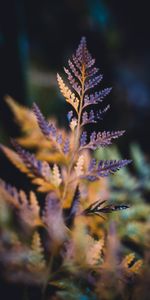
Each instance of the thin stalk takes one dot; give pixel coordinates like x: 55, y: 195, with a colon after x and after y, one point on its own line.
x: 76, y: 143
x: 80, y: 108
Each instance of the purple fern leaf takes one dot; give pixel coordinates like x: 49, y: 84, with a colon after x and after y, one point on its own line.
x: 100, y: 113
x: 83, y: 56
x: 91, y: 83
x: 59, y: 139
x: 93, y: 137
x: 46, y: 128
x: 73, y: 82
x: 37, y: 167
x: 108, y: 167
x: 104, y: 168
x: 85, y: 118
x: 102, y: 139
x: 74, y: 70
x: 77, y: 63
x: 70, y: 115
x: 83, y: 139
x: 92, y: 117
x: 53, y: 218
x: 92, y: 165
x: 96, y: 97
x: 91, y: 72
x: 90, y: 63
x: 12, y: 191
x: 66, y: 147
x: 88, y: 118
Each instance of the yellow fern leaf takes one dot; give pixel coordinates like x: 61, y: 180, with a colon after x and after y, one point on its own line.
x: 36, y: 243
x: 66, y: 92
x: 35, y: 208
x: 73, y: 124
x: 24, y: 116
x: 15, y: 159
x: 34, y: 203
x: 6, y: 196
x: 43, y: 186
x: 23, y: 198
x: 29, y: 210
x: 56, y: 177
x: 128, y: 260
x: 94, y: 250
x: 51, y: 157
x: 37, y: 252
x: 79, y: 166
x: 136, y: 266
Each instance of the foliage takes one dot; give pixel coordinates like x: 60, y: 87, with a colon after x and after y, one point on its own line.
x: 133, y: 224
x: 68, y: 237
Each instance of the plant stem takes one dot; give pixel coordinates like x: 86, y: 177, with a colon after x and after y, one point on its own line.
x: 76, y: 143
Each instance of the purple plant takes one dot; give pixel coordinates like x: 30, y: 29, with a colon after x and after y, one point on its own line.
x: 65, y: 170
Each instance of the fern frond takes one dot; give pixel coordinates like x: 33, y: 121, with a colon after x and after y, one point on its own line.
x: 23, y: 199
x: 56, y: 176
x: 9, y: 193
x: 110, y: 166
x: 128, y: 260
x: 132, y: 266
x: 73, y: 124
x: 36, y: 243
x: 37, y: 258
x: 66, y: 146
x: 43, y: 186
x: 136, y: 268
x: 23, y: 116
x: 96, y: 98
x: 91, y: 83
x: 33, y: 166
x: 34, y: 205
x: 74, y: 70
x: 46, y: 128
x: 94, y: 250
x: 79, y: 166
x: 14, y: 158
x: 105, y: 168
x: 83, y: 56
x: 66, y: 92
x: 53, y: 219
x: 101, y: 139
x: 29, y: 210
x: 93, y: 117
x: 74, y: 84
x: 96, y: 208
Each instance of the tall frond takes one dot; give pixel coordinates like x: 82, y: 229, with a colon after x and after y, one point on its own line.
x: 104, y: 168
x: 23, y: 115
x: 101, y: 139
x: 53, y: 219
x: 34, y: 166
